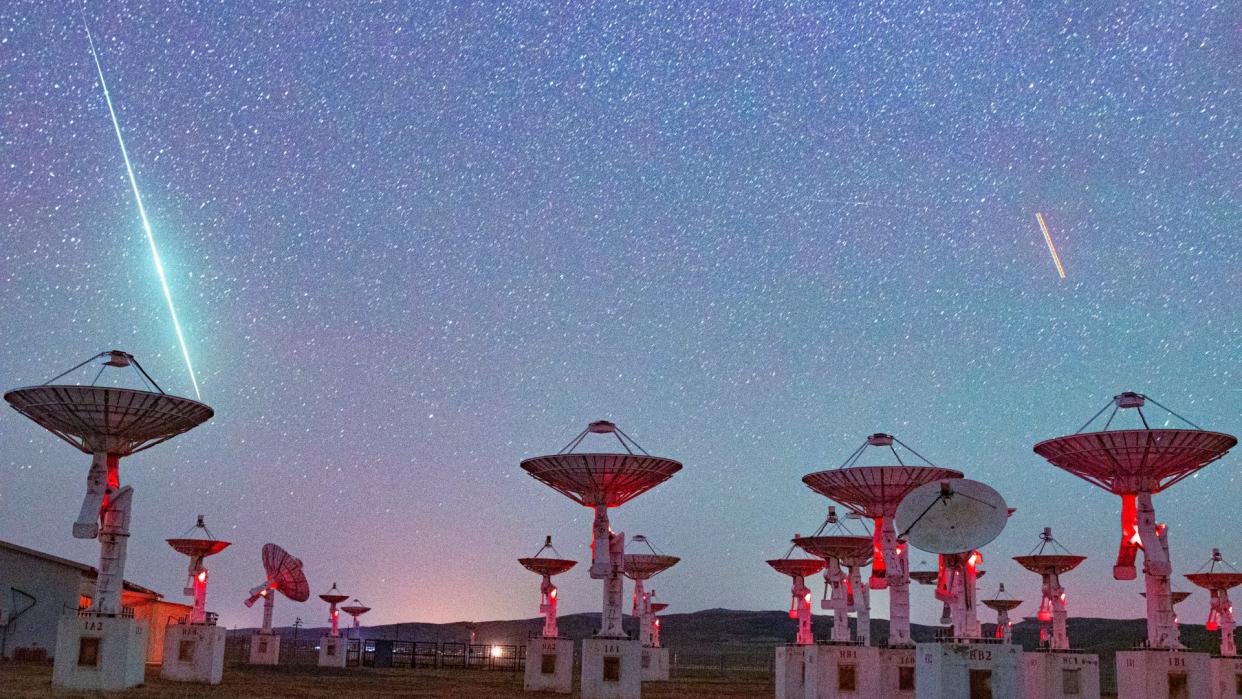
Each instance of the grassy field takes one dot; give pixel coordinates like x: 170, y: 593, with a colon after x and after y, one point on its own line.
x: 25, y: 681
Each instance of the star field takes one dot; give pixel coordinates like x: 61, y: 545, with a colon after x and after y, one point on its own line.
x: 412, y: 244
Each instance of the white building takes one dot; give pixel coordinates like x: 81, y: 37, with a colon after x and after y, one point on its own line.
x: 36, y: 588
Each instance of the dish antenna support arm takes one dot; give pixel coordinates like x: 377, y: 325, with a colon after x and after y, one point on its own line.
x: 547, y: 607
x: 1221, y: 614
x: 836, y: 598
x: 614, y: 546
x: 102, y: 479
x: 897, y: 578
x: 802, y: 611
x: 113, y: 541
x: 860, y: 601
x: 1153, y: 539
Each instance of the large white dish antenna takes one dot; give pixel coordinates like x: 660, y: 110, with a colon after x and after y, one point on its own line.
x: 954, y: 515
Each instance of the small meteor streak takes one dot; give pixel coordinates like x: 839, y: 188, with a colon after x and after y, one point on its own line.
x: 1051, y: 248
x: 142, y: 213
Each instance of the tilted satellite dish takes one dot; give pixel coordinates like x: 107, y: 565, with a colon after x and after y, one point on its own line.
x: 954, y: 515
x: 284, y: 573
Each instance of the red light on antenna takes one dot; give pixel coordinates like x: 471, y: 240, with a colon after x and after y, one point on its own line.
x: 1045, y: 610
x: 552, y: 594
x: 202, y: 576
x: 335, y: 614
x: 1212, y: 625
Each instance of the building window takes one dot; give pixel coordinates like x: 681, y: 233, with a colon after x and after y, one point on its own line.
x: 84, y: 602
x: 612, y: 668
x: 185, y: 653
x: 905, y: 678
x: 547, y: 664
x: 646, y: 660
x: 1071, y: 681
x: 262, y: 645
x: 847, y: 679
x: 88, y: 652
x: 331, y: 647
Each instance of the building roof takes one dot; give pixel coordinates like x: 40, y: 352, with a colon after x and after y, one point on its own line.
x: 88, y: 571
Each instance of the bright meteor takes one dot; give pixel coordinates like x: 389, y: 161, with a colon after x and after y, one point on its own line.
x: 1051, y: 248
x: 142, y: 212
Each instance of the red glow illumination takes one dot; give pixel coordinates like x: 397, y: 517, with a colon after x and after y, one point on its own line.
x: 1045, y: 610
x: 878, y: 567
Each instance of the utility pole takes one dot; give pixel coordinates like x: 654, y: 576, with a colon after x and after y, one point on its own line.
x: 297, y: 628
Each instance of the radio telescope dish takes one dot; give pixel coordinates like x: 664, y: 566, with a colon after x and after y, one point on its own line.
x: 356, y: 609
x: 333, y: 596
x: 1136, y: 464
x: 1002, y: 605
x: 797, y: 567
x: 196, y: 580
x: 108, y: 423
x: 548, y: 592
x: 547, y: 566
x: 104, y: 419
x: 602, y: 481
x: 644, y: 566
x: 284, y: 574
x: 955, y: 515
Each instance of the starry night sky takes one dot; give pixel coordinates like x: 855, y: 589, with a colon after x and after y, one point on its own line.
x: 412, y: 245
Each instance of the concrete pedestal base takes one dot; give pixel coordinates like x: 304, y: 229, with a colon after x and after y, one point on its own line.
x: 797, y: 672
x: 264, y: 649
x: 549, y: 665
x: 655, y: 665
x: 333, y: 651
x: 1226, y: 678
x: 1060, y: 675
x: 967, y: 671
x: 896, y: 673
x: 1163, y: 674
x: 830, y: 671
x: 611, y: 668
x: 99, y: 652
x: 193, y: 653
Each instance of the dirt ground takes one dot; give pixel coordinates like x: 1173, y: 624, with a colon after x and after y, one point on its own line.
x: 26, y: 681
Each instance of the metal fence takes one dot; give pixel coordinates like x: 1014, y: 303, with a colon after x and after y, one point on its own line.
x: 396, y: 654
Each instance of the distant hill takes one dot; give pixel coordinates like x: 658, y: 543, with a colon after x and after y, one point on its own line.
x: 730, y: 638
x: 749, y: 634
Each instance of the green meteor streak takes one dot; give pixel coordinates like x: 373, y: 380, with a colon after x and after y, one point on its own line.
x: 142, y: 212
